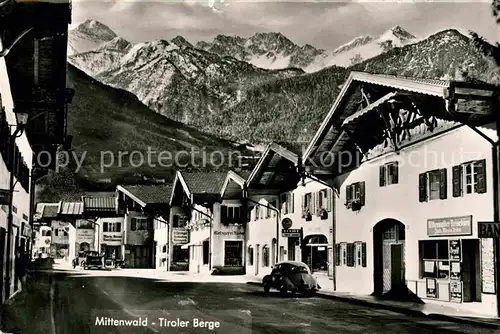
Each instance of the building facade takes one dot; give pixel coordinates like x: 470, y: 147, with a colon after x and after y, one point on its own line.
x: 42, y: 243
x: 409, y: 202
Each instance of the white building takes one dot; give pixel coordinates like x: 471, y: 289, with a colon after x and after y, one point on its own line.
x: 215, y: 220
x: 412, y: 186
x: 298, y: 215
x: 22, y: 161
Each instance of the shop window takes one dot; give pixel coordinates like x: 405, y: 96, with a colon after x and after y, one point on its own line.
x: 112, y: 227
x: 265, y: 256
x: 250, y: 256
x: 233, y: 253
x: 434, y: 259
x: 432, y: 185
x: 389, y: 174
x: 206, y: 251
x: 469, y: 178
x: 355, y: 195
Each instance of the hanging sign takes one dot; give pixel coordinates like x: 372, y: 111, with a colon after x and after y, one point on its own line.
x: 455, y: 253
x: 430, y: 284
x: 456, y: 291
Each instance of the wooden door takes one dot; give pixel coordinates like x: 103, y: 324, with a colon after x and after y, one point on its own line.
x: 396, y: 266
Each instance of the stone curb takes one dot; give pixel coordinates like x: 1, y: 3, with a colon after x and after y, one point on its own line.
x: 404, y: 310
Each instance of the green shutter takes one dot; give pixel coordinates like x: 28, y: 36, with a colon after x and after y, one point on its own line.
x: 422, y: 187
x: 348, y: 194
x: 329, y: 199
x: 363, y: 254
x: 457, y: 180
x: 361, y: 193
x: 395, y: 172
x: 480, y: 166
x: 382, y: 175
x: 337, y: 254
x: 443, y: 185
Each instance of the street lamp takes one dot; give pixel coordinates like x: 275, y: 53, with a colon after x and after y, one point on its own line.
x: 22, y: 120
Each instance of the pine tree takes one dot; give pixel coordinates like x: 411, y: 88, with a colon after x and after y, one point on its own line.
x: 488, y: 49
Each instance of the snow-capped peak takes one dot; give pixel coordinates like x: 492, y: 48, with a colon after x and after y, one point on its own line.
x: 397, y: 33
x: 96, y: 29
x: 358, y: 41
x: 118, y: 44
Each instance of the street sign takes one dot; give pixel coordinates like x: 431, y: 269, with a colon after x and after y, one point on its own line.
x: 291, y: 233
x: 488, y: 230
x: 286, y: 223
x: 4, y: 197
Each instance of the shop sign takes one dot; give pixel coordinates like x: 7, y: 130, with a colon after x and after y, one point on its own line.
x: 85, y: 235
x: 456, y: 291
x: 455, y: 270
x: 4, y: 197
x: 291, y: 233
x: 455, y: 253
x: 488, y: 230
x: 449, y: 226
x: 229, y: 232
x: 431, y: 287
x: 180, y: 236
x: 112, y: 237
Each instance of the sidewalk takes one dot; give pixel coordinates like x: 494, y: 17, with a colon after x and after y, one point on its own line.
x: 432, y: 311
x: 29, y: 311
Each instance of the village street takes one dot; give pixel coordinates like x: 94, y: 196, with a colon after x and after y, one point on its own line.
x: 81, y: 302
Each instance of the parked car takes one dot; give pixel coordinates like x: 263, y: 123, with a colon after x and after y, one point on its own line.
x: 93, y: 260
x: 291, y: 276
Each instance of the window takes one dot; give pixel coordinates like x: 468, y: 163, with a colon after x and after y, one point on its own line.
x: 469, y: 178
x: 84, y: 224
x: 287, y: 202
x: 233, y: 253
x: 274, y: 205
x: 306, y: 205
x: 350, y: 255
x: 231, y: 214
x: 434, y: 259
x: 137, y: 224
x: 343, y: 253
x: 112, y: 227
x: 432, y: 185
x: 14, y: 209
x: 164, y: 249
x: 268, y: 211
x: 358, y: 254
x: 250, y: 255
x: 46, y: 233
x: 206, y: 251
x: 265, y: 256
x: 389, y: 174
x: 355, y: 193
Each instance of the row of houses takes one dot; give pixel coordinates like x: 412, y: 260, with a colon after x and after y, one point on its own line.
x: 33, y: 117
x: 386, y: 199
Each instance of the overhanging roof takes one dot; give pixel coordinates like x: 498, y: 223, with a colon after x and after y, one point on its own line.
x: 202, y: 186
x: 234, y: 179
x: 448, y: 92
x: 274, y: 168
x: 148, y: 194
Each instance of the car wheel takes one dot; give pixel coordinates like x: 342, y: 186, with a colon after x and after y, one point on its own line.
x: 283, y: 291
x: 266, y: 287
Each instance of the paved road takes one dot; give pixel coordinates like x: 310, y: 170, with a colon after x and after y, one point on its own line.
x: 81, y: 304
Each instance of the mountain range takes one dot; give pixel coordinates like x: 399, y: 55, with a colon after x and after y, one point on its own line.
x: 218, y: 88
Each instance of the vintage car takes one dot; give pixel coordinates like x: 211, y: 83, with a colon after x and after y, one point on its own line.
x: 291, y: 276
x: 93, y: 260
x: 80, y: 260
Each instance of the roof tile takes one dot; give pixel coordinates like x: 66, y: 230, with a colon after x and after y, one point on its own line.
x: 153, y: 194
x: 205, y: 182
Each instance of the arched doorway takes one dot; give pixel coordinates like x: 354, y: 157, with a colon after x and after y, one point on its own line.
x: 315, y: 252
x: 389, y: 258
x: 84, y: 247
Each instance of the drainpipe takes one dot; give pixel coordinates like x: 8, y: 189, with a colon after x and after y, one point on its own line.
x: 245, y: 197
x: 303, y: 175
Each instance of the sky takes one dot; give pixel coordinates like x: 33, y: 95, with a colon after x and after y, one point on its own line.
x: 319, y: 23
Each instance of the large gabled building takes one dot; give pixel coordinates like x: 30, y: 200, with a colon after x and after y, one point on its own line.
x: 413, y: 182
